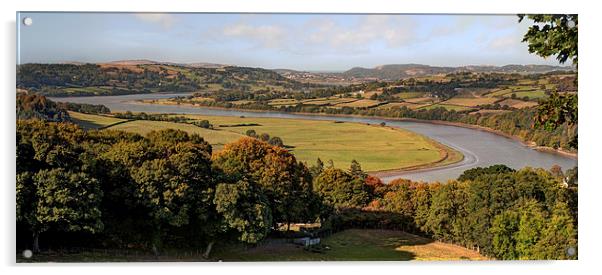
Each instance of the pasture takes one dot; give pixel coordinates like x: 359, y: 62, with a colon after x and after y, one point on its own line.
x: 470, y: 102
x: 375, y: 147
x: 362, y: 103
x: 447, y: 107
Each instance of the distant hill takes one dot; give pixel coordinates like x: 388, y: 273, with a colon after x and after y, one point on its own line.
x: 397, y: 71
x: 145, y: 76
x: 135, y: 62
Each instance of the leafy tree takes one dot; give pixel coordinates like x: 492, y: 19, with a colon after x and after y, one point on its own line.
x: 503, y: 228
x: 472, y: 174
x: 285, y: 182
x: 340, y: 189
x: 532, y: 220
x: 356, y: 170
x: 64, y: 201
x: 172, y: 178
x: 251, y: 133
x: 317, y: 169
x: 245, y: 209
x: 558, y: 235
x: 276, y: 141
x: 555, y: 34
x: 264, y: 137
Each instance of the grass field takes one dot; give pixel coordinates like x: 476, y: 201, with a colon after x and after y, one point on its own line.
x: 326, y: 101
x: 355, y: 245
x: 470, y: 102
x: 374, y: 147
x: 217, y: 138
x: 531, y: 94
x: 516, y: 103
x: 448, y: 107
x: 283, y: 102
x: 88, y: 90
x: 406, y: 95
x: 93, y: 121
x: 421, y: 100
x: 362, y: 103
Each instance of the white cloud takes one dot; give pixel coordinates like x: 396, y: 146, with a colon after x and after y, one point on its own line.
x: 321, y: 35
x: 395, y: 32
x: 163, y: 19
x: 265, y: 35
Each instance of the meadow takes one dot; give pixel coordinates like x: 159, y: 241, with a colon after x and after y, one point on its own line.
x: 375, y: 147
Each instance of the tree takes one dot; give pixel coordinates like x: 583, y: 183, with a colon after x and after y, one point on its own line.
x: 172, y: 178
x: 558, y: 235
x: 276, y: 141
x: 64, y: 201
x: 340, y: 189
x: 251, y: 133
x: 285, y: 182
x: 264, y: 137
x: 316, y: 169
x: 245, y: 209
x: 503, y: 228
x: 555, y: 35
x: 356, y: 170
x: 532, y: 221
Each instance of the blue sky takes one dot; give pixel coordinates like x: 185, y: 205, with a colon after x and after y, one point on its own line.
x: 319, y: 42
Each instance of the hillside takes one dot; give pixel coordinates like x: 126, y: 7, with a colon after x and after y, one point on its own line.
x: 144, y: 76
x: 398, y: 71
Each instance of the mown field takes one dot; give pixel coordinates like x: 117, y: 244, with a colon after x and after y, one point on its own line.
x: 375, y: 147
x: 355, y: 245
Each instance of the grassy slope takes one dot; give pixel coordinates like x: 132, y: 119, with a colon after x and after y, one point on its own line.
x: 93, y: 121
x: 217, y: 138
x: 355, y: 245
x: 375, y: 147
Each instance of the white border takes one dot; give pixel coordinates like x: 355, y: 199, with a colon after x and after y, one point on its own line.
x: 589, y: 91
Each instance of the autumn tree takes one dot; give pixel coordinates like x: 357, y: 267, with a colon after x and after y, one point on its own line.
x: 285, y: 182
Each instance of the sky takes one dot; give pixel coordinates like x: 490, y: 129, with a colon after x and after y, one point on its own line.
x: 313, y: 42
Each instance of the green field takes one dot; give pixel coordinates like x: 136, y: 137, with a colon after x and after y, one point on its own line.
x: 362, y: 103
x: 354, y: 245
x: 531, y: 94
x: 406, y: 95
x: 447, y: 107
x: 375, y: 147
x: 93, y: 121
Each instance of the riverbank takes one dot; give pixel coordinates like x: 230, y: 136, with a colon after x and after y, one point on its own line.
x: 532, y: 145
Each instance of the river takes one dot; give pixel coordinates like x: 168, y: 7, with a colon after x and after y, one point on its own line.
x: 480, y: 148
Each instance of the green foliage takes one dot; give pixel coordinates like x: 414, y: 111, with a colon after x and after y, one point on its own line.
x: 553, y: 34
x: 245, y: 209
x: 341, y: 189
x: 503, y: 228
x: 285, y: 182
x: 472, y: 174
x: 67, y: 201
x: 503, y: 213
x: 356, y: 170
